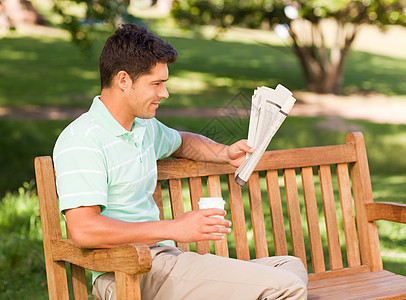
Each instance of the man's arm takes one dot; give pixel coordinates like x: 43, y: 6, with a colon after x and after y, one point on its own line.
x: 90, y: 229
x: 198, y: 147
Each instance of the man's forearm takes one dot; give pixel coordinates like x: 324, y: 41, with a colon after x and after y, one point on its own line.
x: 92, y: 230
x: 201, y: 148
x: 89, y: 229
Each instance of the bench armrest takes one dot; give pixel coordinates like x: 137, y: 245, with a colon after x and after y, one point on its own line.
x: 130, y: 259
x: 389, y: 211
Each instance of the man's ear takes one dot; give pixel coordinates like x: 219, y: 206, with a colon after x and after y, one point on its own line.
x: 123, y: 80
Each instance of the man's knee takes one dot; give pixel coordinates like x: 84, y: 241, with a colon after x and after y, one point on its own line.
x: 292, y: 288
x: 303, y: 272
x: 296, y: 266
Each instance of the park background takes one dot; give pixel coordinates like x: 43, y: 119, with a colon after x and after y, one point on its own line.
x: 46, y: 81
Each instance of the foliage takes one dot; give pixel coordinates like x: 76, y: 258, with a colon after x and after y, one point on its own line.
x: 81, y: 25
x: 302, y: 21
x: 21, y: 253
x: 254, y: 13
x: 22, y: 272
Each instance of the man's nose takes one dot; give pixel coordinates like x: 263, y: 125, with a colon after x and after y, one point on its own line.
x: 163, y: 92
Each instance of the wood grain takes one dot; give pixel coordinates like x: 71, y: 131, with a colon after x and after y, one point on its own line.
x: 277, y: 219
x: 295, y: 221
x: 257, y: 216
x: 364, y: 278
x: 312, y: 217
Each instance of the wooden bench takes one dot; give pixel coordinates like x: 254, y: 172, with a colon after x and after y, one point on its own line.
x: 314, y: 203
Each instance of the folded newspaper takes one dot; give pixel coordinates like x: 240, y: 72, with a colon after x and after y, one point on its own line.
x: 269, y: 109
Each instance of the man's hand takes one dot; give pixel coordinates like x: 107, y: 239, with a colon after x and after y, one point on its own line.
x: 237, y: 151
x: 201, y: 148
x: 199, y: 225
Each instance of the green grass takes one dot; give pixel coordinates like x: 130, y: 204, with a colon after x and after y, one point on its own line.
x: 46, y: 72
x: 22, y: 272
x: 43, y: 70
x: 208, y: 73
x: 21, y: 142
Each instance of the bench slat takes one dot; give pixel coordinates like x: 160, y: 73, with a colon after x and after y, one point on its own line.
x: 158, y: 200
x: 351, y: 238
x: 271, y: 160
x: 314, y: 277
x: 196, y: 191
x: 214, y: 189
x: 370, y: 285
x: 316, y: 246
x: 295, y: 221
x: 257, y: 216
x: 275, y: 206
x: 175, y: 193
x: 336, y: 261
x: 348, y: 278
x: 238, y: 217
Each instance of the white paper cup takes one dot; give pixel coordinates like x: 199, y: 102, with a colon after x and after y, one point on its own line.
x: 212, y: 202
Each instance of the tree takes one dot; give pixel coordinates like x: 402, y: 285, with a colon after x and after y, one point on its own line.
x: 302, y: 21
x: 15, y: 12
x: 81, y: 27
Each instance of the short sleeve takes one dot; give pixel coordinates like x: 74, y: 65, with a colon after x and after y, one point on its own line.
x: 81, y: 175
x: 166, y: 140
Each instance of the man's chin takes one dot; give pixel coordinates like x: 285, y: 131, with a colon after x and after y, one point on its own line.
x: 149, y: 115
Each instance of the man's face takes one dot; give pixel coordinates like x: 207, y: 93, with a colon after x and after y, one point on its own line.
x: 147, y: 91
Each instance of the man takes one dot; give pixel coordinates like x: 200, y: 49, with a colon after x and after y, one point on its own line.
x: 105, y: 165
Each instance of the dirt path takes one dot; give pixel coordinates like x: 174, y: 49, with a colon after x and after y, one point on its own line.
x: 374, y: 108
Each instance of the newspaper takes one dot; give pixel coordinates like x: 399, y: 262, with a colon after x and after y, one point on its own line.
x: 269, y: 109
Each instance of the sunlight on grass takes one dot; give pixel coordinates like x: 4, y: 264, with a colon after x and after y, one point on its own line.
x: 395, y: 138
x: 389, y: 188
x: 188, y: 82
x: 207, y: 73
x: 18, y: 55
x: 395, y: 264
x: 88, y: 75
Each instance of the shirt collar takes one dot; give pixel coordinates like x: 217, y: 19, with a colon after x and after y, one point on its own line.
x: 100, y: 112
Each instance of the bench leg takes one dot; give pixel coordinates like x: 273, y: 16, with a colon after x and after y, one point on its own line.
x: 128, y: 286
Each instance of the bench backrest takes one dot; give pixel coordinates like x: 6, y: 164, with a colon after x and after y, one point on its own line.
x: 307, y: 202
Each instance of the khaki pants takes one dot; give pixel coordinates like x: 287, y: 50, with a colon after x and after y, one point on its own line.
x: 177, y: 275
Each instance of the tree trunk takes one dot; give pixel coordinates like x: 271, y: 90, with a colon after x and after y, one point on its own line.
x: 323, y: 74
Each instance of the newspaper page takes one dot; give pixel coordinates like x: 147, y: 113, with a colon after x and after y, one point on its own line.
x: 269, y: 109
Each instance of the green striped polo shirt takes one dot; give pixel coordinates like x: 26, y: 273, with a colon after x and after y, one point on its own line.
x: 98, y: 162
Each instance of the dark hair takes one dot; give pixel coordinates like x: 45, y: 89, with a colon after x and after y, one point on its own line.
x: 135, y: 50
